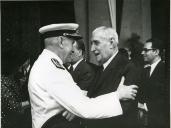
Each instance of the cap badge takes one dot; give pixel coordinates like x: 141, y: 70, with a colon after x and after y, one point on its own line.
x: 77, y: 31
x: 66, y: 34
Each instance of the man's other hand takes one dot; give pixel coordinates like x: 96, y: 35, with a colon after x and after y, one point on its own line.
x: 126, y: 92
x: 68, y: 115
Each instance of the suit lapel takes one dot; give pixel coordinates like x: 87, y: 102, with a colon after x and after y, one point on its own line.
x: 112, y: 67
x: 79, y: 65
x: 156, y: 69
x: 75, y: 74
x: 106, y: 75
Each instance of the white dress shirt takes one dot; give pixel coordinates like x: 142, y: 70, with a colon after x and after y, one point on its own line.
x: 75, y: 65
x: 52, y: 89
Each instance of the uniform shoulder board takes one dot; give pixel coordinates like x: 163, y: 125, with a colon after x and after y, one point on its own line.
x: 57, y: 64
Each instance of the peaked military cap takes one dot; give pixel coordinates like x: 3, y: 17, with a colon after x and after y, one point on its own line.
x: 69, y: 30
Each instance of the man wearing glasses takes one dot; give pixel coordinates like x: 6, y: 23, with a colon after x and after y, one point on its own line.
x: 153, y: 91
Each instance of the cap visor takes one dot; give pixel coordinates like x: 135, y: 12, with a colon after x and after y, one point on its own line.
x: 74, y: 36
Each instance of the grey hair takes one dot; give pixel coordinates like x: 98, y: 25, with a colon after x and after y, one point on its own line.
x: 108, y: 32
x: 50, y: 41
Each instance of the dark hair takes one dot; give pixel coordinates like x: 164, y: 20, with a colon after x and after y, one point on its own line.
x: 156, y: 43
x: 80, y: 44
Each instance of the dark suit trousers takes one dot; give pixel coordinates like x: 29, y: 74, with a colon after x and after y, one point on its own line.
x: 58, y: 121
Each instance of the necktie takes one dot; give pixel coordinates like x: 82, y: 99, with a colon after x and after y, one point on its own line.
x: 71, y: 68
x: 101, y: 68
x: 147, y: 71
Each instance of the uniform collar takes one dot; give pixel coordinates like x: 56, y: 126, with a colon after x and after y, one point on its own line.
x: 52, y: 55
x: 109, y: 60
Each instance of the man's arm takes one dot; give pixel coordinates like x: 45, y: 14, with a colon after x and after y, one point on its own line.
x: 70, y: 96
x: 124, y: 92
x: 132, y: 75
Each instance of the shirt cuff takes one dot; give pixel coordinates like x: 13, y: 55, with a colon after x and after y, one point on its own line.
x: 116, y: 104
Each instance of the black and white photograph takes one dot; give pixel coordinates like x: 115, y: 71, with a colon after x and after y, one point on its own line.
x: 85, y: 63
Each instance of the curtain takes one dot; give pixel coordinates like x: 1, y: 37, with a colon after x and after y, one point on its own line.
x: 112, y: 11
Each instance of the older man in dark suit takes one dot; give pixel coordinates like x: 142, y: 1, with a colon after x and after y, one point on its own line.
x: 154, y: 91
x: 113, y: 66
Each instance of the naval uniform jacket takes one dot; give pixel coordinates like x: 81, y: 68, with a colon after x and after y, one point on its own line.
x: 83, y: 74
x: 108, y: 82
x: 52, y: 90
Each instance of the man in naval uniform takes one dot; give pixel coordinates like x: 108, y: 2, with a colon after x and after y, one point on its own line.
x: 52, y: 89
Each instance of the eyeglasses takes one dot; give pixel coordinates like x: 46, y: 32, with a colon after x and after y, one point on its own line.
x: 146, y: 50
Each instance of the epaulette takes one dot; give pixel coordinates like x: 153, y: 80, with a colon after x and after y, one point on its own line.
x: 57, y: 64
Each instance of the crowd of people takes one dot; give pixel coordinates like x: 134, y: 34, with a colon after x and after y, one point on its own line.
x: 127, y: 89
x: 15, y: 108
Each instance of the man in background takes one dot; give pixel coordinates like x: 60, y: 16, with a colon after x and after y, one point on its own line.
x: 82, y: 71
x: 154, y: 91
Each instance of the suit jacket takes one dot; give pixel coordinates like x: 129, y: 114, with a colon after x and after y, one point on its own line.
x: 108, y: 82
x: 155, y: 92
x: 83, y: 74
